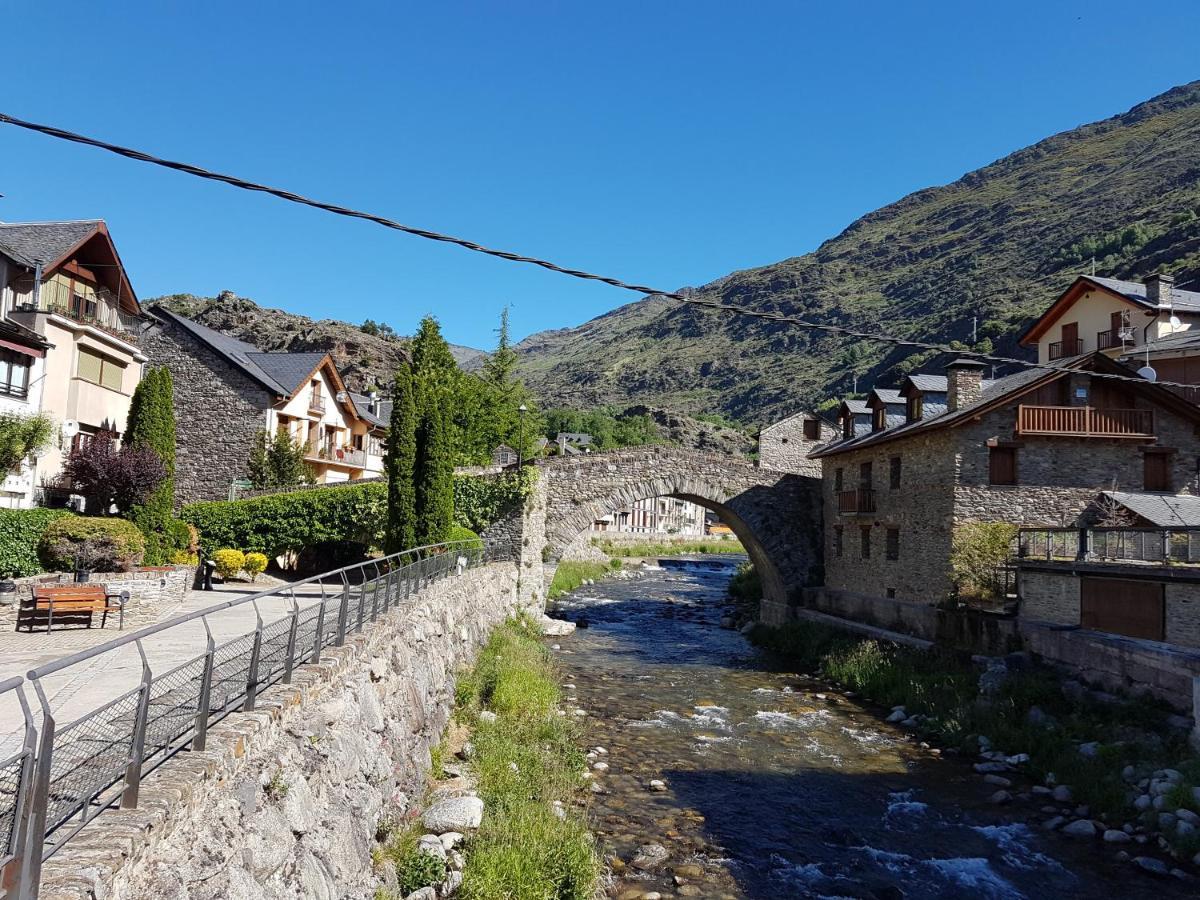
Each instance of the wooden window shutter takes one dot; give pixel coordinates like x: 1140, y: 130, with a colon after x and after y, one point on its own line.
x: 1002, y: 465
x: 812, y: 429
x: 1156, y: 472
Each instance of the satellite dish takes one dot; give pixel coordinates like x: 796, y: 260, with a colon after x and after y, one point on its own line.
x: 70, y: 428
x: 1148, y: 373
x: 342, y: 397
x: 1174, y: 320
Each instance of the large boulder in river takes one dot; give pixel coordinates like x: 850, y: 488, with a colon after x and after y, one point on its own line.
x: 555, y: 627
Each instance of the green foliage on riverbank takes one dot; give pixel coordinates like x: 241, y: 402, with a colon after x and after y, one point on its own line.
x: 944, y: 688
x: 570, y: 574
x: 525, y: 760
x: 746, y: 585
x: 668, y: 548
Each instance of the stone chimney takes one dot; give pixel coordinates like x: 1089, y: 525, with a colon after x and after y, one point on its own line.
x: 964, y: 383
x: 1159, y: 288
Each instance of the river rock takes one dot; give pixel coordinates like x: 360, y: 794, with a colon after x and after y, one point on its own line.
x: 1082, y: 828
x: 998, y: 780
x: 1115, y: 836
x: 454, y: 814
x: 453, y: 882
x: 1186, y: 815
x: 657, y: 785
x: 450, y: 840
x: 600, y: 766
x: 425, y: 893
x: 1166, y: 820
x: 898, y: 715
x: 649, y: 857
x: 1062, y: 794
x: 985, y: 767
x: 431, y: 845
x: 1051, y: 824
x: 1090, y: 750
x: 1001, y: 797
x: 555, y: 627
x: 1142, y: 803
x: 1151, y: 865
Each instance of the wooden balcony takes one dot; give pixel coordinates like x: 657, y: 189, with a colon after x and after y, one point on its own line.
x: 1085, y: 421
x: 1065, y: 349
x: 859, y: 502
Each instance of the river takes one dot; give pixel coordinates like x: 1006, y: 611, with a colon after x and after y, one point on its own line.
x: 777, y: 784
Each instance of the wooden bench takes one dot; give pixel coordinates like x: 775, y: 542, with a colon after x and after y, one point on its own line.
x: 70, y: 600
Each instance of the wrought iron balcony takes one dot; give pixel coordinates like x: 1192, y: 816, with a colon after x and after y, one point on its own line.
x: 1109, y: 340
x: 1085, y: 421
x: 857, y: 502
x: 1064, y: 349
x: 100, y: 309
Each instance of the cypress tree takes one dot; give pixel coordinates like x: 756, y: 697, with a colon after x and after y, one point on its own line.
x: 401, y: 533
x: 152, y: 424
x: 435, y: 375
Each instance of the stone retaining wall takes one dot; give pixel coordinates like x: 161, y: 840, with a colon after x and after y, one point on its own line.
x: 285, y: 801
x: 150, y: 591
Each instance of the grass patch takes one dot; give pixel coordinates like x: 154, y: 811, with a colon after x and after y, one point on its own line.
x: 414, y: 869
x: 746, y: 585
x: 667, y: 548
x: 525, y: 760
x: 570, y: 574
x: 944, y: 687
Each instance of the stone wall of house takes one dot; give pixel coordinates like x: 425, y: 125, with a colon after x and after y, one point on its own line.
x: 218, y: 411
x: 784, y: 448
x: 285, y: 801
x: 1049, y: 597
x: 920, y: 508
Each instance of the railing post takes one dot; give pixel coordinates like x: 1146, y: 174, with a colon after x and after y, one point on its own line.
x: 374, y: 591
x: 343, y: 611
x: 320, y: 632
x: 19, y: 839
x: 1166, y: 546
x: 39, y: 800
x: 255, y: 652
x: 362, y: 601
x: 1082, y: 550
x: 205, y: 704
x: 133, y: 771
x: 291, y: 648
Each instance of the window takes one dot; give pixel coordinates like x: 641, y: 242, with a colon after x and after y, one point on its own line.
x: 865, y: 545
x: 864, y: 476
x: 893, y: 543
x: 894, y: 472
x: 891, y: 593
x: 812, y: 430
x: 1002, y: 465
x: 913, y: 408
x: 100, y: 370
x: 879, y: 418
x: 14, y: 374
x: 1156, y: 471
x: 839, y: 479
x: 848, y: 426
x: 839, y: 539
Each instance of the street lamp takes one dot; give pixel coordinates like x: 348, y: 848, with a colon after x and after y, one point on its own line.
x: 521, y: 410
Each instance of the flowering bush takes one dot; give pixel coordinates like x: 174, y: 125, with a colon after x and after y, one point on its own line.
x: 229, y: 562
x: 255, y: 564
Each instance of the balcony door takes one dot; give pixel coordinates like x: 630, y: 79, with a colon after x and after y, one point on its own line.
x: 1070, y: 339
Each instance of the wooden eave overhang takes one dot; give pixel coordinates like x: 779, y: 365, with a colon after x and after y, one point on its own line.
x: 1066, y: 300
x: 120, y: 285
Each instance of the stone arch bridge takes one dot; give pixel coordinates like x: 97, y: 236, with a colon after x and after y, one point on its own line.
x: 776, y: 515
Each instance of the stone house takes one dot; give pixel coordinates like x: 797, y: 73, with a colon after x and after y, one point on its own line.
x: 1035, y: 447
x: 69, y: 345
x: 785, y: 445
x: 227, y: 391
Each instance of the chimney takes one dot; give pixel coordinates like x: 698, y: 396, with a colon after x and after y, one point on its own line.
x: 1159, y: 288
x: 373, y: 403
x: 964, y: 383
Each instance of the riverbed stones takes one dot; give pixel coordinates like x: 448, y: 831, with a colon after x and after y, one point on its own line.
x: 986, y: 767
x: 1151, y: 865
x: 649, y: 857
x: 425, y: 893
x: 1062, y: 794
x: 897, y: 715
x: 454, y: 814
x: 997, y: 780
x: 1001, y: 797
x: 555, y: 627
x: 1115, y: 836
x: 1080, y: 828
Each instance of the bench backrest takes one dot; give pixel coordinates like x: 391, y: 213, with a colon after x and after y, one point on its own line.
x: 70, y: 597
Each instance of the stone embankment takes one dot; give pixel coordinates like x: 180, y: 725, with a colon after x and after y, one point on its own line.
x: 287, y: 799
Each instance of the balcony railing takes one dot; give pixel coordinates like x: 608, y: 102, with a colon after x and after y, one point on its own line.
x: 1108, y: 340
x: 342, y: 456
x: 1064, y: 349
x: 1085, y: 421
x: 316, y: 403
x: 1158, y: 546
x: 100, y: 310
x: 856, y: 502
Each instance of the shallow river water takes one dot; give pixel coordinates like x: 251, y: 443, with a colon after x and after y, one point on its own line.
x: 777, y: 785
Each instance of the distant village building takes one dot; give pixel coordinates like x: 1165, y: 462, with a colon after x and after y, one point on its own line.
x: 572, y: 442
x: 667, y: 516
x: 785, y: 445
x: 68, y: 342
x: 227, y: 391
x: 505, y: 456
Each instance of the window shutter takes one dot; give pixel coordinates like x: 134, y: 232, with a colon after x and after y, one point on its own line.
x: 1002, y: 465
x: 89, y: 366
x: 1156, y: 472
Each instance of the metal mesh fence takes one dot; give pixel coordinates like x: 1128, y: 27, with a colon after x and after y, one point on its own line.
x: 12, y: 773
x: 231, y: 672
x: 272, y: 654
x: 174, y: 701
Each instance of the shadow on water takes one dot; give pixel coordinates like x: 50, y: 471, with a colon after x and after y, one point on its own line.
x: 776, y: 786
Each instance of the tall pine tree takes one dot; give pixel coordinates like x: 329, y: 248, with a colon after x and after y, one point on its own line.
x: 152, y: 424
x: 402, y: 465
x: 434, y: 383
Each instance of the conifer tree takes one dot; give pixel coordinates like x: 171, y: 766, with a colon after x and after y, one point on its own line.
x: 152, y: 424
x: 401, y: 531
x: 435, y: 376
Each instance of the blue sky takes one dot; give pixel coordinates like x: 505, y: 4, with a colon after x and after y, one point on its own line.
x: 665, y: 143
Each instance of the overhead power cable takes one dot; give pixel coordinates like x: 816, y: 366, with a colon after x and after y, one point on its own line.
x: 292, y: 197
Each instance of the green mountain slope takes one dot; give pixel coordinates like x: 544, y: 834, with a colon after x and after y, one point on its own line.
x: 997, y: 245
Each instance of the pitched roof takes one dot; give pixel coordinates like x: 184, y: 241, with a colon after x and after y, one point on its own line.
x: 933, y: 384
x: 888, y: 396
x: 1132, y: 292
x: 1184, y: 340
x: 31, y: 243
x: 1164, y: 510
x: 1189, y: 301
x: 857, y: 407
x: 291, y: 370
x: 806, y: 413
x: 381, y: 418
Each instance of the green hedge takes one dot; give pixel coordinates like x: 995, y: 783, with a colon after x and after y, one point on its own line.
x: 292, y: 521
x: 20, y: 531
x: 353, y: 512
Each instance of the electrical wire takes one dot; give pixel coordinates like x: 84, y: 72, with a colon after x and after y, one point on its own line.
x: 778, y: 318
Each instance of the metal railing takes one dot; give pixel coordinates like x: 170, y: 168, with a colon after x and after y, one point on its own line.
x: 316, y: 402
x: 1063, y: 349
x: 1085, y: 421
x: 1159, y: 546
x: 1107, y: 340
x: 68, y: 773
x: 342, y: 456
x: 101, y: 309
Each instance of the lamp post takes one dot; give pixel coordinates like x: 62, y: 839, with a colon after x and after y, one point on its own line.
x: 521, y: 410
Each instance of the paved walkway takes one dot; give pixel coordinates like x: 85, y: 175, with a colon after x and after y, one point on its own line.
x: 82, y: 687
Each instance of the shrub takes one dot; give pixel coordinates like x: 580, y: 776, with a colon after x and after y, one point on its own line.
x: 21, y: 436
x: 481, y: 500
x: 183, y: 558
x: 472, y: 540
x: 746, y: 585
x: 255, y: 564
x: 977, y: 550
x: 229, y: 562
x: 152, y: 426
x: 91, y: 544
x: 124, y: 476
x: 20, y: 532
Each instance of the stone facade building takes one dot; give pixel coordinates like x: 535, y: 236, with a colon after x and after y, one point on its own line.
x: 227, y: 392
x: 785, y: 445
x: 1035, y: 448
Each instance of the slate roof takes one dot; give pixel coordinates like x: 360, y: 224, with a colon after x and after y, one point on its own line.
x: 935, y: 384
x: 1185, y: 340
x: 1164, y: 510
x: 1136, y: 291
x: 380, y: 419
x: 574, y: 437
x: 888, y: 396
x: 30, y: 243
x: 288, y: 369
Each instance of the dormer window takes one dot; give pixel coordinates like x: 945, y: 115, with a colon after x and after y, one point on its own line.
x: 848, y: 426
x: 879, y: 418
x: 913, y: 408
